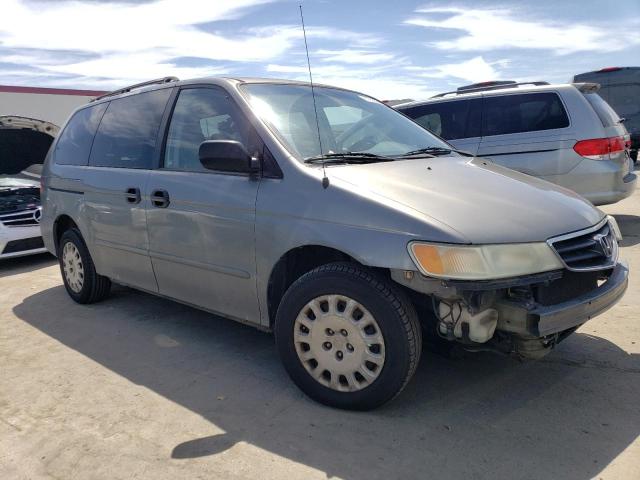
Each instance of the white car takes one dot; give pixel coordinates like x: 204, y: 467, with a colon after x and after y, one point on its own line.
x: 20, y: 213
x: 24, y: 143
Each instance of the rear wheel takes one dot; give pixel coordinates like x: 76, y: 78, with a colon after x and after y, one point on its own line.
x: 347, y: 337
x: 79, y: 275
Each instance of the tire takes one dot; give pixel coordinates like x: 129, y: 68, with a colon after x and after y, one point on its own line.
x: 82, y: 282
x: 377, y: 317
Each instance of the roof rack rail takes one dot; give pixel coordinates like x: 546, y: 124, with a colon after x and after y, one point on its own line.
x: 493, y: 87
x: 155, y: 81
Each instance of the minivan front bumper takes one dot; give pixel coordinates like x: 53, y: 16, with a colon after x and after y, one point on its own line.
x: 540, y: 321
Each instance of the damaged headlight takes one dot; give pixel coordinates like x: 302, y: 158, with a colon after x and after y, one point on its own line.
x: 483, y: 262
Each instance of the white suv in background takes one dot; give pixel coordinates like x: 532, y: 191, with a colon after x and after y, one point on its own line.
x: 566, y: 134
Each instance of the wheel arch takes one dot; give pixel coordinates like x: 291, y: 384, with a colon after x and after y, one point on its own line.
x: 295, y: 263
x: 61, y: 224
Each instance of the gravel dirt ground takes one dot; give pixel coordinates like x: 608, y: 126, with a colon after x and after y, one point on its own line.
x: 140, y: 387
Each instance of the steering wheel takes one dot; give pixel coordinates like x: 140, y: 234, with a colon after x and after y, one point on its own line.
x: 363, y: 144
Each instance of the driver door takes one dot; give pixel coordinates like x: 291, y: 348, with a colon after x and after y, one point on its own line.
x: 201, y: 222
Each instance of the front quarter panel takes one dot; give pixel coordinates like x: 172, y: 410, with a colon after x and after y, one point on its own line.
x: 296, y: 212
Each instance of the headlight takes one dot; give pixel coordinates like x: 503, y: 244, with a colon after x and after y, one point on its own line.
x: 483, y: 262
x: 615, y: 227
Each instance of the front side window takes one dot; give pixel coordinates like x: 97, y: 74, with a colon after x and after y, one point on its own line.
x: 348, y: 122
x: 127, y: 134
x: 449, y: 120
x: 75, y: 141
x: 522, y: 113
x: 201, y: 114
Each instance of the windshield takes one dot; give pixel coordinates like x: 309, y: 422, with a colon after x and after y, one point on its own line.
x: 348, y: 122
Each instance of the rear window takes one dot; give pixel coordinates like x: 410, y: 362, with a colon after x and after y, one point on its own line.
x: 449, y: 120
x: 528, y: 112
x: 127, y: 135
x: 606, y: 114
x: 74, y: 143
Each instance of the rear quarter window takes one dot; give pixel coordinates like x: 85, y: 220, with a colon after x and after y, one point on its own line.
x: 127, y: 134
x: 74, y: 143
x: 605, y: 113
x: 449, y: 120
x: 520, y: 113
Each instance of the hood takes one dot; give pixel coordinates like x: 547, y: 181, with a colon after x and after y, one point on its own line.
x: 483, y: 202
x: 23, y: 142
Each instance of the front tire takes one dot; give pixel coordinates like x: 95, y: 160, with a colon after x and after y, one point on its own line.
x: 83, y: 283
x: 347, y: 337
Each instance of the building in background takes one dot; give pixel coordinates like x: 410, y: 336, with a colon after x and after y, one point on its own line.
x: 51, y: 105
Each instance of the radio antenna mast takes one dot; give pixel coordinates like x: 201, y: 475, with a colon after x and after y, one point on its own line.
x: 325, y: 180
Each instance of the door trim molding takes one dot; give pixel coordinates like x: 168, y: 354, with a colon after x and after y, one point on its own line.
x: 234, y: 272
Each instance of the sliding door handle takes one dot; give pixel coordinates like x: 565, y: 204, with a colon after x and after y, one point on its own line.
x: 160, y: 198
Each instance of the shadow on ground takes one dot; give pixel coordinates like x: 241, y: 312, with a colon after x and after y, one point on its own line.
x: 567, y: 416
x: 16, y: 265
x: 630, y: 228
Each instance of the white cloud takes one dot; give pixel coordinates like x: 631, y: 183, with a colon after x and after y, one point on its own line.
x: 117, y: 27
x: 473, y: 70
x: 486, y: 29
x: 114, y: 43
x: 353, y: 56
x: 378, y: 82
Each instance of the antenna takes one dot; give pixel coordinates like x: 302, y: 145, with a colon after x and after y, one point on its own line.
x: 325, y: 180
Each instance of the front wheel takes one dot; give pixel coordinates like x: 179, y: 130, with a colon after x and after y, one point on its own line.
x: 348, y: 338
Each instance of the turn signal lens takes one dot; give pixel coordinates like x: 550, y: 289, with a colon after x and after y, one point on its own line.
x: 483, y: 262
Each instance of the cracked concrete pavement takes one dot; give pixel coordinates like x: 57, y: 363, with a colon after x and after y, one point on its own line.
x: 140, y: 387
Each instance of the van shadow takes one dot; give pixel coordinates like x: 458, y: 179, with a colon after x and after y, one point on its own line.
x: 17, y: 265
x: 567, y: 416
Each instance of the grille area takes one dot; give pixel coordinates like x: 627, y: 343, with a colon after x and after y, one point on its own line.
x: 25, y: 244
x: 570, y: 286
x: 23, y: 218
x: 594, y: 250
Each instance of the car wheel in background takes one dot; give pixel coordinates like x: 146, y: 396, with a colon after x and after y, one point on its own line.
x: 79, y: 275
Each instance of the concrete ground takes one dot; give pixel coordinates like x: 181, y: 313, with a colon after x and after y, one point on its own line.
x: 139, y: 387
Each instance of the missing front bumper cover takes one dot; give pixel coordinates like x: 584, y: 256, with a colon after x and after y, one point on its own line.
x: 541, y: 320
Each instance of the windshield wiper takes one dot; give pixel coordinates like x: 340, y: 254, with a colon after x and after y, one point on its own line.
x: 431, y: 151
x: 347, y: 157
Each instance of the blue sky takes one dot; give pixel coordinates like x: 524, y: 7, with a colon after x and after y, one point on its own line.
x: 389, y: 49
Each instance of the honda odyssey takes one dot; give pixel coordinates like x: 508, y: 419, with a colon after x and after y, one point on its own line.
x: 326, y: 217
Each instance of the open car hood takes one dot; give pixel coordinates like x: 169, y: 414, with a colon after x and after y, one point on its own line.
x: 24, y: 142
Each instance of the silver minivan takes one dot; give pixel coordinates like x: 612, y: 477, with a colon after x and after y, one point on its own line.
x: 620, y: 88
x: 326, y: 217
x: 566, y: 134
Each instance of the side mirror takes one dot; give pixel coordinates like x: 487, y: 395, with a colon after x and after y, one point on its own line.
x: 227, y: 156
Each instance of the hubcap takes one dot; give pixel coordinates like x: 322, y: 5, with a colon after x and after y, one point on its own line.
x: 73, y: 267
x: 339, y: 343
